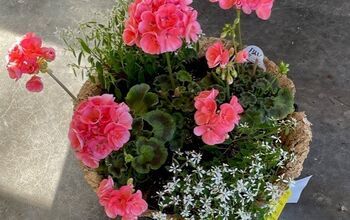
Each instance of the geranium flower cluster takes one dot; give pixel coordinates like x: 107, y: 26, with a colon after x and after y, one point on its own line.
x: 27, y: 56
x: 121, y: 202
x: 262, y: 8
x: 159, y: 26
x: 99, y: 126
x: 214, y: 126
x: 217, y: 55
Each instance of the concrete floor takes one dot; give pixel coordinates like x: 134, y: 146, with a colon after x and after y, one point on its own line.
x: 40, y: 178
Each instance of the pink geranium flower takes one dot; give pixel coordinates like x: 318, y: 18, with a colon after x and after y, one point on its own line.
x: 212, y: 125
x: 98, y: 127
x: 159, y: 26
x: 24, y: 57
x: 217, y: 55
x: 261, y: 7
x: 225, y: 4
x: 241, y: 57
x: 121, y: 202
x: 104, y: 190
x: 150, y: 43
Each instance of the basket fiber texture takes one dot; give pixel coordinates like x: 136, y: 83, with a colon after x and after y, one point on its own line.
x: 297, y: 141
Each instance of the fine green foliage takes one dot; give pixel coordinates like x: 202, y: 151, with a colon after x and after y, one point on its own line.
x: 283, y: 68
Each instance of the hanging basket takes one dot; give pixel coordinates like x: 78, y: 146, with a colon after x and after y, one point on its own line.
x: 297, y: 141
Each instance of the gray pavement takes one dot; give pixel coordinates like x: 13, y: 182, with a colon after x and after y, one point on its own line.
x: 39, y: 176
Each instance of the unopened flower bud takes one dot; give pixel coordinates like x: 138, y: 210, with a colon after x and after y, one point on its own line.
x: 223, y: 76
x: 234, y: 73
x: 229, y: 79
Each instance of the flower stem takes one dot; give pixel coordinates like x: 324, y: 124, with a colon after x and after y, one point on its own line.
x: 172, y: 81
x: 228, y: 91
x: 62, y: 85
x: 239, y: 33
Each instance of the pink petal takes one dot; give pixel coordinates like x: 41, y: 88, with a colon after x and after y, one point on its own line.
x: 35, y: 84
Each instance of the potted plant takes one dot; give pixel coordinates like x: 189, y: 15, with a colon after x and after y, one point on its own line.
x: 171, y: 124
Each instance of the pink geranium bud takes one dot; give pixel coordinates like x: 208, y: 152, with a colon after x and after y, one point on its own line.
x: 217, y: 55
x: 242, y: 56
x: 48, y: 53
x: 35, y: 84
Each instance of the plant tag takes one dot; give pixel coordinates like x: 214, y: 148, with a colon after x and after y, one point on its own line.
x: 297, y: 188
x: 255, y: 53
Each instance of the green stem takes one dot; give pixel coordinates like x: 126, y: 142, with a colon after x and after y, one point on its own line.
x: 217, y: 79
x: 228, y: 91
x: 239, y: 33
x: 172, y: 81
x: 62, y: 85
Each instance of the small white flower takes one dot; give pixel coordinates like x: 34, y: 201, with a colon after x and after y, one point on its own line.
x: 250, y: 196
x: 185, y: 213
x: 195, y: 158
x: 159, y: 216
x: 199, y: 171
x: 277, y: 139
x: 175, y: 200
x: 179, y: 153
x: 198, y: 189
x: 217, y: 176
x: 174, y: 168
x: 188, y: 200
x: 243, y: 215
x: 244, y: 125
x: 224, y: 195
x: 241, y: 186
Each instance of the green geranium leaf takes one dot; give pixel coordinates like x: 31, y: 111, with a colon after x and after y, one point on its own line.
x: 162, y: 82
x: 184, y: 76
x: 162, y: 123
x: 137, y: 125
x: 248, y: 99
x: 283, y: 104
x: 152, y: 154
x: 183, y: 103
x: 140, y: 100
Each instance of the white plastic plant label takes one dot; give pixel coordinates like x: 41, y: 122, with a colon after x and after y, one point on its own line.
x: 297, y: 188
x: 255, y: 53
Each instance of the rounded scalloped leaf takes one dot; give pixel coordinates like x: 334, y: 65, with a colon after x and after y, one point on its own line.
x: 283, y: 104
x: 163, y: 124
x: 139, y: 99
x: 152, y: 154
x: 183, y: 76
